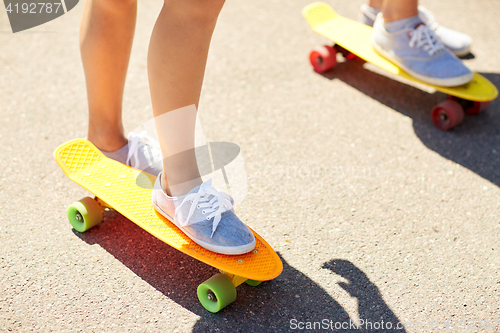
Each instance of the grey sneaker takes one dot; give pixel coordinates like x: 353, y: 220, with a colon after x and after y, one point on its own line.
x: 368, y: 15
x: 457, y: 42
x: 141, y: 152
x: 144, y: 153
x: 417, y: 50
x: 206, y: 216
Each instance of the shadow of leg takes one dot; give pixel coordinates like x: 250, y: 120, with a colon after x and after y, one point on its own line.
x: 290, y: 300
x: 374, y: 314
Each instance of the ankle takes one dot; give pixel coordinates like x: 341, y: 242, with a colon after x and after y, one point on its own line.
x: 179, y: 189
x: 395, y: 26
x: 107, y: 140
x: 391, y: 16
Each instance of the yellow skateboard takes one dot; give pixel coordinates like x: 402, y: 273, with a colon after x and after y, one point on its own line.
x: 352, y: 39
x: 128, y: 191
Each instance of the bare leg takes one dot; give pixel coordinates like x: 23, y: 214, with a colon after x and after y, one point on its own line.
x: 176, y: 65
x: 377, y: 4
x: 394, y: 10
x: 106, y: 34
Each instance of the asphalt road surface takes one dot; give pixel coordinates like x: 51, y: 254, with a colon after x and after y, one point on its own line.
x: 376, y: 214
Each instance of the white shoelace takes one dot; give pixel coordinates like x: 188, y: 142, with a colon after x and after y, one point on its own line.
x: 428, y: 18
x: 212, y: 207
x: 136, y: 142
x: 423, y: 37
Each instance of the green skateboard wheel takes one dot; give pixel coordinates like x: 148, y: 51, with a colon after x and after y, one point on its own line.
x: 216, y: 293
x: 253, y: 283
x: 84, y: 214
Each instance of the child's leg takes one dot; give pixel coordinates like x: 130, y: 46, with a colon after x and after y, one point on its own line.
x: 377, y: 4
x: 106, y: 34
x: 176, y: 65
x: 391, y: 9
x: 394, y: 10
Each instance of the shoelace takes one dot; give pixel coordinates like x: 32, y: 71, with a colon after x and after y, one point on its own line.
x: 426, y: 39
x: 428, y: 18
x: 213, y: 203
x: 136, y: 142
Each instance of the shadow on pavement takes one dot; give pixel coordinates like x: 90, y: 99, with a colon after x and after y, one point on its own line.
x: 371, y: 306
x: 468, y: 56
x: 473, y: 144
x: 270, y: 307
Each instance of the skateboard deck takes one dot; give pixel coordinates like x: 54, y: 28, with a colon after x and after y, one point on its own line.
x: 128, y: 191
x: 355, y: 37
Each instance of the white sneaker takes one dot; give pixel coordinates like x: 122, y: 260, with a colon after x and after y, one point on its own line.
x: 141, y: 152
x: 206, y: 216
x: 457, y: 42
x: 144, y: 153
x: 411, y: 45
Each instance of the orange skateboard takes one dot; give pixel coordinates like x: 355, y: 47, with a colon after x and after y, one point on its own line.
x: 353, y: 39
x: 128, y: 191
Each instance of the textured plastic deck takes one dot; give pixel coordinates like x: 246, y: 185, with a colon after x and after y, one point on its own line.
x: 356, y: 38
x: 129, y: 192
